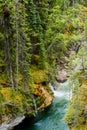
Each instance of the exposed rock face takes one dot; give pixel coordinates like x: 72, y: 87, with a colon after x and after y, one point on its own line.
x: 42, y: 91
x: 45, y: 95
x: 56, y: 85
x: 62, y: 76
x: 25, y: 102
x: 11, y: 124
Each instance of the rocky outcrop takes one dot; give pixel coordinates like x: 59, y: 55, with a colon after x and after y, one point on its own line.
x: 45, y: 95
x: 42, y: 92
x: 62, y: 76
x: 25, y: 102
x: 9, y: 125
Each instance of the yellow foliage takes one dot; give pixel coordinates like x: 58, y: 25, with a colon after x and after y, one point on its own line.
x: 9, y: 95
x: 38, y: 75
x: 6, y: 93
x: 81, y: 127
x: 69, y: 27
x: 84, y: 82
x: 84, y: 8
x: 34, y: 85
x: 36, y: 57
x: 80, y: 19
x: 67, y: 36
x: 18, y: 98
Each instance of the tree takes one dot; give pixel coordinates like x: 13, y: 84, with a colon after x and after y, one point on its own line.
x: 17, y: 42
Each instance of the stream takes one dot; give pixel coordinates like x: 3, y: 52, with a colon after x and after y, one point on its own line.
x: 53, y: 119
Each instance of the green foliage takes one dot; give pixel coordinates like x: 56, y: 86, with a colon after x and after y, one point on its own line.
x: 75, y: 115
x: 15, y: 103
x: 55, y: 37
x: 38, y: 33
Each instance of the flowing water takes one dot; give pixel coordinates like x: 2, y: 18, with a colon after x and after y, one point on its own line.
x: 53, y: 119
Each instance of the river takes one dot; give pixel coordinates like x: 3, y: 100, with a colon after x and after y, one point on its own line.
x: 53, y: 119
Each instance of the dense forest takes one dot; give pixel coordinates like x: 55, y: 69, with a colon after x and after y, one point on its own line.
x: 38, y: 38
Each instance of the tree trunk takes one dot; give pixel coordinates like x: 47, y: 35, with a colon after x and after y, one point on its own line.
x: 8, y: 59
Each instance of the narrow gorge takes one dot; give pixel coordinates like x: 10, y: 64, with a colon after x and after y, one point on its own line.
x: 43, y: 64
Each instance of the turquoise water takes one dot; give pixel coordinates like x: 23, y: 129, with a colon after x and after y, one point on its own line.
x: 53, y: 118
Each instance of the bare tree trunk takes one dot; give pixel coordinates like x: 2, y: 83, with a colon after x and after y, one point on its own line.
x: 23, y: 66
x: 7, y: 50
x: 17, y: 59
x: 17, y: 44
x: 83, y: 67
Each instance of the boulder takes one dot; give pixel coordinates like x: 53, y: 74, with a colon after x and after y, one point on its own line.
x: 62, y: 76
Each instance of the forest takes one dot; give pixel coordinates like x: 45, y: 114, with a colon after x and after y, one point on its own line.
x: 38, y: 40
